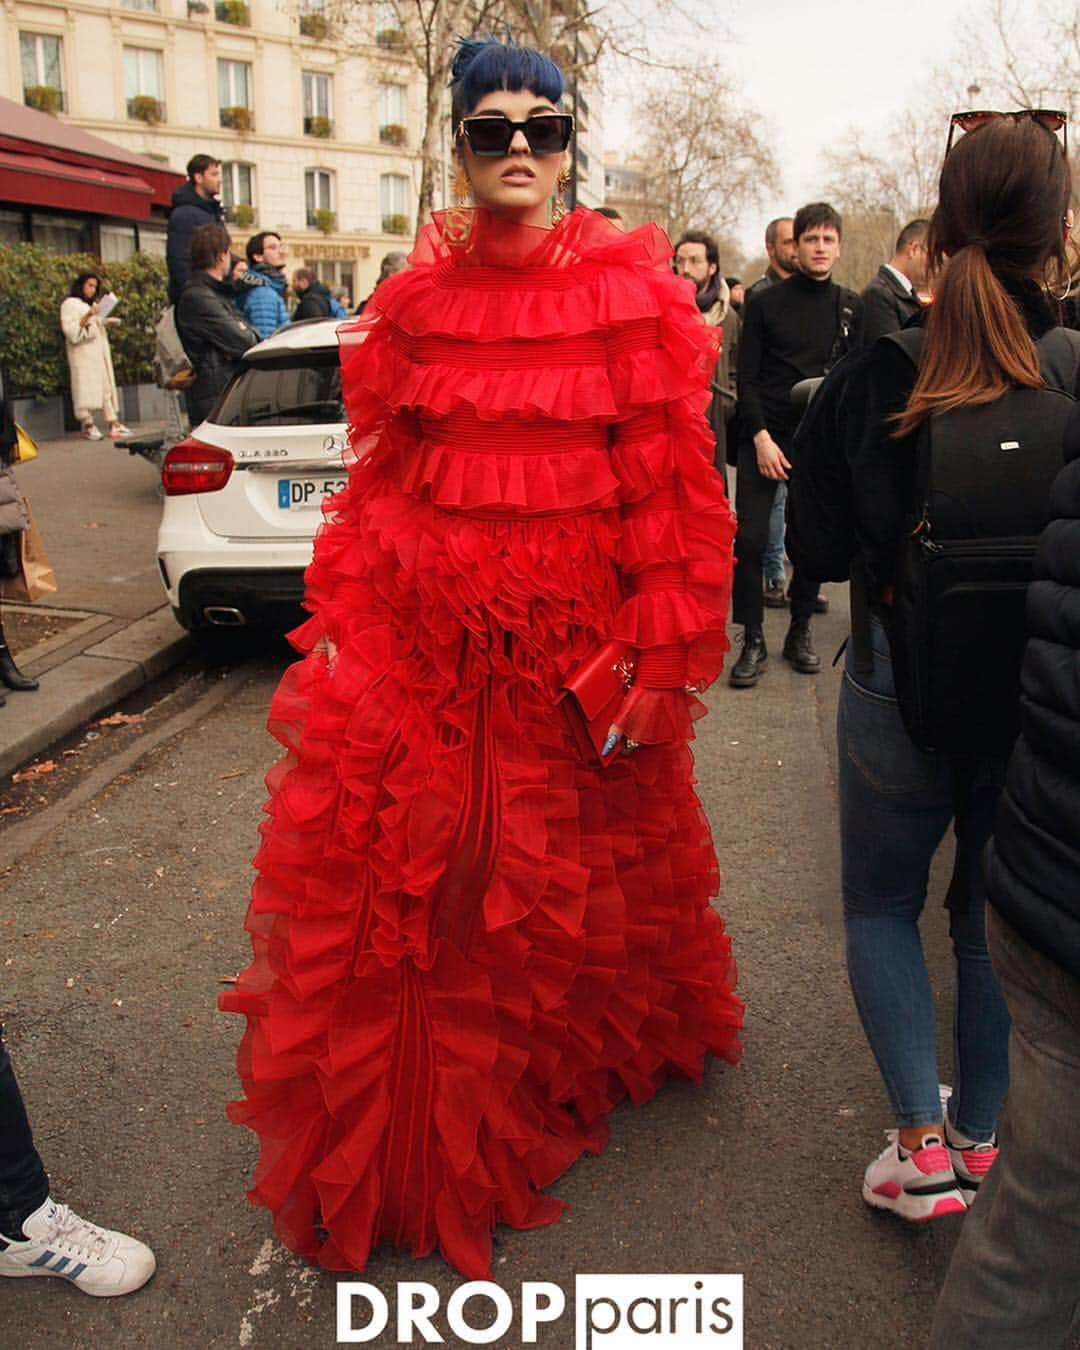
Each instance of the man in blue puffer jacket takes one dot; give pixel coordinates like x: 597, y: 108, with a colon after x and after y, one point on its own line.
x: 262, y: 300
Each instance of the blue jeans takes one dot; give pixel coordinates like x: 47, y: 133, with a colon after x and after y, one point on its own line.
x: 896, y: 802
x: 24, y: 1186
x: 772, y: 566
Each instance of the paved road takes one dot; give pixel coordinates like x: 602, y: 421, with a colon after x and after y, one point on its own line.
x: 120, y: 921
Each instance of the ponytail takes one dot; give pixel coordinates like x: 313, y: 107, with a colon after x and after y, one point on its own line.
x: 1002, y: 198
x: 977, y: 345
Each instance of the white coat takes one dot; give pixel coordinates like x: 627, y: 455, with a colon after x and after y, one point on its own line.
x: 89, y: 357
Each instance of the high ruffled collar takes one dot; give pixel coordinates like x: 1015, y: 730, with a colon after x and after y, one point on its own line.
x: 475, y: 237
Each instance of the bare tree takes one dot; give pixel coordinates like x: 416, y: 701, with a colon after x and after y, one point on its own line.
x: 706, y: 159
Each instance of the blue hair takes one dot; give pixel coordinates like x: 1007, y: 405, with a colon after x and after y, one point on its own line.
x: 482, y: 65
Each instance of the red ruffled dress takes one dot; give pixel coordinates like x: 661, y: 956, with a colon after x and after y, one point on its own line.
x: 469, y: 944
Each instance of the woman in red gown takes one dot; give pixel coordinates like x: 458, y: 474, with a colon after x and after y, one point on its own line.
x: 471, y: 942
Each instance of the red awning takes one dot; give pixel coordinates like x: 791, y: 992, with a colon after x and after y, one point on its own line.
x: 37, y: 181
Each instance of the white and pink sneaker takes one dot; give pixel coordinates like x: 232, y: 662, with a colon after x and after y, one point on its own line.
x: 917, y: 1186
x: 970, y: 1161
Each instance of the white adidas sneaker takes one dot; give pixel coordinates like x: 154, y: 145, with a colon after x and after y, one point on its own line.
x: 96, y: 1260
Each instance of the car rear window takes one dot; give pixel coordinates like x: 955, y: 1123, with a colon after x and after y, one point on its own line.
x: 294, y: 389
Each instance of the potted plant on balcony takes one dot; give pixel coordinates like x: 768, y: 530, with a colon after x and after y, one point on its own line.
x: 314, y: 26
x: 239, y: 118
x: 325, y: 219
x: 146, y: 109
x: 395, y: 224
x: 392, y: 133
x: 44, y: 97
x: 390, y: 37
x: 243, y: 215
x: 318, y: 126
x: 233, y: 11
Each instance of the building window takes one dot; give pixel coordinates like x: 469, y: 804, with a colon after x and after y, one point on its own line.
x: 392, y: 114
x: 233, y: 11
x: 234, y: 95
x: 318, y: 108
x: 62, y: 234
x: 152, y: 239
x: 314, y: 21
x: 319, y: 199
x: 12, y: 227
x: 393, y: 193
x: 388, y: 28
x: 146, y: 6
x: 144, y: 84
x: 236, y: 193
x: 42, y: 71
x: 117, y: 242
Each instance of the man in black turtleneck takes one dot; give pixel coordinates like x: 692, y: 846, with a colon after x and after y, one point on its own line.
x: 791, y: 332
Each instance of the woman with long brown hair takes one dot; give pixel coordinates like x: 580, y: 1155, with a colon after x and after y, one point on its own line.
x: 996, y: 243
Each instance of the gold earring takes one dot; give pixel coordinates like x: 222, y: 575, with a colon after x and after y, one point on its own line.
x: 1064, y: 279
x: 457, y: 223
x: 562, y: 182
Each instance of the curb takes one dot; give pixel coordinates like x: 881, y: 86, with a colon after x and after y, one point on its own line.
x: 90, y: 683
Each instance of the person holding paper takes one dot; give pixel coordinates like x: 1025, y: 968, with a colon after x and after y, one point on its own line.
x: 83, y: 318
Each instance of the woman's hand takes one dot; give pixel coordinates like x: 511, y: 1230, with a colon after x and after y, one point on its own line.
x: 771, y: 460
x: 650, y: 717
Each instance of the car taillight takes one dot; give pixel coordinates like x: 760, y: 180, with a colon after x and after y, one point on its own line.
x: 194, y: 466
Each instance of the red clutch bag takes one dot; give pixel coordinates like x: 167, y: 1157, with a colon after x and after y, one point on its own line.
x: 592, y: 697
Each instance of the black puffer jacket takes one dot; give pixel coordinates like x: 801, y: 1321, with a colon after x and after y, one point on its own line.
x: 189, y: 210
x: 215, y: 336
x: 1034, y: 878
x: 314, y: 303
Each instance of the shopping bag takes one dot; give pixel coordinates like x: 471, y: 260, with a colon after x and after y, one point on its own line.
x: 36, y: 576
x: 25, y: 446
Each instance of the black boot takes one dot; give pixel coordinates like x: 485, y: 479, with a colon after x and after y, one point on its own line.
x: 799, y: 650
x: 753, y: 659
x: 10, y: 674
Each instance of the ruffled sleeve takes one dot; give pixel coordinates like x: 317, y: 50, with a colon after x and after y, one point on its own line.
x: 678, y: 529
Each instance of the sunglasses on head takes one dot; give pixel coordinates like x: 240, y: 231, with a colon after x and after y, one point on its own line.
x: 490, y: 134
x: 1051, y: 119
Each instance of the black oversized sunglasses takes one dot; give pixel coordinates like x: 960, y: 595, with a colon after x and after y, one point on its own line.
x: 1050, y: 118
x: 490, y: 134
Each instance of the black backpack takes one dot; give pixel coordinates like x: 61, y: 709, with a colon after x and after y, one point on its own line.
x: 982, y: 487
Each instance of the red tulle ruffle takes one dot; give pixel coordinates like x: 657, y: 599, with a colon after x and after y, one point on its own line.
x: 468, y: 944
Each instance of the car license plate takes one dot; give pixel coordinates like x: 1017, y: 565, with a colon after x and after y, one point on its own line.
x: 298, y: 494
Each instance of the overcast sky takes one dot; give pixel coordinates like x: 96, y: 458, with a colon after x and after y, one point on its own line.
x: 814, y: 67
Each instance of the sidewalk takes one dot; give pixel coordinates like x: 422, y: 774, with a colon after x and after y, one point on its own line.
x: 97, y: 508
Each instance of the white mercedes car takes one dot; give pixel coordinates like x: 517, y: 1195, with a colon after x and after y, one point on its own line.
x: 243, y: 492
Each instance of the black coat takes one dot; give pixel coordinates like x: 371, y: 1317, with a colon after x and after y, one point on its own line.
x: 852, y: 482
x: 189, y: 210
x: 1034, y: 875
x: 215, y: 336
x: 884, y: 307
x: 314, y: 303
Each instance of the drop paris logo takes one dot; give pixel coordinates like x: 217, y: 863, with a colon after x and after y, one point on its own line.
x: 610, y: 1312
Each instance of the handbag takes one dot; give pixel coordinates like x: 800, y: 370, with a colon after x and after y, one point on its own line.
x: 592, y: 695
x: 25, y: 446
x: 35, y: 576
